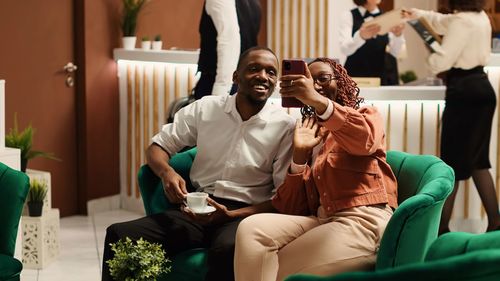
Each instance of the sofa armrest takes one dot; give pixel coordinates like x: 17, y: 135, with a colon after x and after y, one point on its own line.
x: 150, y: 185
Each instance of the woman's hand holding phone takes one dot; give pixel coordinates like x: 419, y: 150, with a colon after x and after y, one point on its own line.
x: 301, y: 87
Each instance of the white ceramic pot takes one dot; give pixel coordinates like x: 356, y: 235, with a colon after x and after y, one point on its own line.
x: 146, y: 45
x: 129, y: 42
x: 157, y: 45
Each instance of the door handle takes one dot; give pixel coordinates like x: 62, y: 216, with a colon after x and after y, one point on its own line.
x: 69, y: 68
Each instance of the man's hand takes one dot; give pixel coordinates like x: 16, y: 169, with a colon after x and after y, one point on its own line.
x: 174, y: 187
x: 221, y: 214
x: 398, y: 29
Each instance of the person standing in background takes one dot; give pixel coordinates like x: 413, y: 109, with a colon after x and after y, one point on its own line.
x: 227, y: 28
x: 366, y: 51
x: 470, y: 99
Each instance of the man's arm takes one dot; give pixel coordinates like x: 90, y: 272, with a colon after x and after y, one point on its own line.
x: 225, y: 19
x: 174, y: 185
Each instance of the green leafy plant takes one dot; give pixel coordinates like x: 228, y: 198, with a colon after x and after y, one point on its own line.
x: 131, y: 9
x: 137, y: 261
x: 24, y: 141
x: 408, y: 76
x: 158, y: 37
x: 145, y: 38
x: 38, y: 190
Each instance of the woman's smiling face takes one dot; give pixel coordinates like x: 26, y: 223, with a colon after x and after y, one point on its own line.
x: 324, y: 79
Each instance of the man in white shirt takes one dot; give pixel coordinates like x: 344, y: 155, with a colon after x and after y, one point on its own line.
x: 227, y: 28
x: 243, y: 152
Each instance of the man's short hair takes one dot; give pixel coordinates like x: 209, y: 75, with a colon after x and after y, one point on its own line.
x: 245, y: 54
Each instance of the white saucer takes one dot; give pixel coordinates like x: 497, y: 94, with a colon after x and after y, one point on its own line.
x: 208, y: 210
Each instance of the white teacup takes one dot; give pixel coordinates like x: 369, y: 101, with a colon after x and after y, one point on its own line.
x: 197, y: 201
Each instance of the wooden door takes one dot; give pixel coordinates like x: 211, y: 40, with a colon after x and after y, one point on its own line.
x: 37, y: 42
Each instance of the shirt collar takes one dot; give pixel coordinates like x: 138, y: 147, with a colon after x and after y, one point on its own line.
x: 263, y: 114
x: 362, y: 10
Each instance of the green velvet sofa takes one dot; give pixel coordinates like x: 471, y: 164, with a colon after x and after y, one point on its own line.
x: 455, y: 256
x: 424, y: 183
x: 14, y: 186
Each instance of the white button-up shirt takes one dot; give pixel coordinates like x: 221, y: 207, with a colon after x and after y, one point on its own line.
x: 466, y: 41
x: 238, y: 160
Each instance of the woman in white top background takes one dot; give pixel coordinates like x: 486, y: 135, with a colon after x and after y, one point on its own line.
x: 366, y: 51
x: 470, y: 99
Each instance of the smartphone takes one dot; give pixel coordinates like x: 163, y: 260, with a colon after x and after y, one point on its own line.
x: 289, y: 66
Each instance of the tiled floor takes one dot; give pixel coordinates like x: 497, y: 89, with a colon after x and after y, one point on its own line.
x: 81, y: 245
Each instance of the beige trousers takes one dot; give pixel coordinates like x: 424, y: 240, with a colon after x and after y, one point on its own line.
x: 271, y: 247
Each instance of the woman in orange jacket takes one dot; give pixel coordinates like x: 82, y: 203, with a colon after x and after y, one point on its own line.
x: 339, y: 193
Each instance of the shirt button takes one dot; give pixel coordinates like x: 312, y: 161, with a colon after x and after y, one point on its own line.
x: 324, y: 194
x: 312, y: 196
x: 319, y: 177
x: 328, y: 208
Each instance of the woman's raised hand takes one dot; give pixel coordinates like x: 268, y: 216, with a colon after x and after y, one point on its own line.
x: 306, y: 137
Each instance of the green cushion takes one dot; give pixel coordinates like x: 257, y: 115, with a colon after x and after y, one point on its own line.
x: 476, y: 266
x: 10, y: 268
x: 187, y: 266
x: 14, y: 186
x: 459, y: 243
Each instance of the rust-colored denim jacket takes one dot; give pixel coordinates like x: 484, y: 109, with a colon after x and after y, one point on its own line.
x: 350, y: 169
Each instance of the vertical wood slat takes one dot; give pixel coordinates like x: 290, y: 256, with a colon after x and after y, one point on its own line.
x: 421, y: 133
x: 177, y: 83
x: 438, y: 129
x: 388, y: 128
x: 156, y: 103
x: 145, y: 119
x: 274, y: 26
x: 405, y: 129
x: 316, y: 29
x: 129, y: 131
x: 325, y: 28
x: 291, y: 30
x: 282, y: 30
x: 299, y: 29
x: 308, y: 30
x: 166, y: 92
x: 137, y: 119
x: 190, y: 78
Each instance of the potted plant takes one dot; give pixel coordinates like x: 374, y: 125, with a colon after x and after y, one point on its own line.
x: 131, y: 9
x: 36, y: 195
x: 23, y: 140
x: 408, y: 76
x: 157, y: 44
x: 146, y: 43
x: 137, y: 261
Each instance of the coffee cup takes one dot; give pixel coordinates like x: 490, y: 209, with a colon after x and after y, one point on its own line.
x: 197, y: 201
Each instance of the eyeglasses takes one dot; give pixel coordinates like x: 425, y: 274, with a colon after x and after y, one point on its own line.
x: 324, y: 79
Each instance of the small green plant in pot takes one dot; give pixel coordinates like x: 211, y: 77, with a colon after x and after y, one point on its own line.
x: 23, y: 140
x: 137, y: 261
x: 36, y: 195
x: 131, y: 9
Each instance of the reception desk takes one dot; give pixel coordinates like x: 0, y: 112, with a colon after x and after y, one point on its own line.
x: 150, y: 81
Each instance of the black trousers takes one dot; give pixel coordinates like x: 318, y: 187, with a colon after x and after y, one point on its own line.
x: 176, y: 232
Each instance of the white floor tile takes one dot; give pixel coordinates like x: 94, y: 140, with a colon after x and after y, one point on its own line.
x: 81, y: 246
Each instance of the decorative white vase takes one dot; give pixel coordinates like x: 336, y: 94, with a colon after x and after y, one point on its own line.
x: 129, y: 42
x: 146, y: 45
x: 157, y: 45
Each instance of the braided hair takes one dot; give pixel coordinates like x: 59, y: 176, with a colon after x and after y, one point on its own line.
x: 347, y: 89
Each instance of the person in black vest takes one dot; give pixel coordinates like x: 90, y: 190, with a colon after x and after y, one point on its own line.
x: 227, y: 28
x: 366, y: 51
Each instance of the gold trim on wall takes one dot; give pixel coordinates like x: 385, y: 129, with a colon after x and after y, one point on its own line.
x: 156, y: 91
x: 325, y: 28
x: 299, y: 28
x: 166, y: 92
x: 137, y: 119
x: 405, y: 128
x: 274, y: 26
x: 316, y: 29
x: 177, y: 83
x: 291, y: 30
x: 308, y: 30
x: 466, y: 198
x: 438, y: 130
x: 129, y: 130
x: 421, y: 133
x: 282, y: 30
x: 388, y: 128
